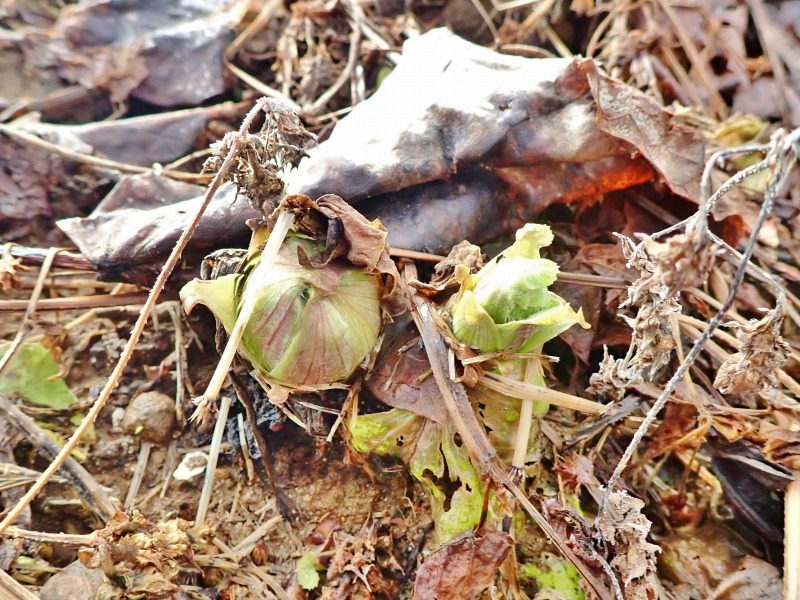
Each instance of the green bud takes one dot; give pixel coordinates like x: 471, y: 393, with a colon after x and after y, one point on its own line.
x: 311, y: 326
x: 506, y: 306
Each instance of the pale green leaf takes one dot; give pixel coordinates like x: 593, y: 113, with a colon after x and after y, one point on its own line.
x: 307, y: 571
x: 28, y: 375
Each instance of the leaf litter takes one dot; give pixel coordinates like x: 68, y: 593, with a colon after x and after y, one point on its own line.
x: 500, y: 141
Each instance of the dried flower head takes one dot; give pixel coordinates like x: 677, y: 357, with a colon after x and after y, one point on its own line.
x: 612, y: 379
x: 281, y: 143
x: 680, y: 263
x: 652, y: 340
x: 763, y: 351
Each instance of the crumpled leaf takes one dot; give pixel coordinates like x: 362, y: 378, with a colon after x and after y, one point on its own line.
x: 308, y: 568
x: 463, y: 569
x: 625, y: 529
x: 434, y: 459
x: 479, y: 134
x: 29, y: 374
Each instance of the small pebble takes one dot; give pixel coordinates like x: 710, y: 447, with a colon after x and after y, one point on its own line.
x: 150, y: 416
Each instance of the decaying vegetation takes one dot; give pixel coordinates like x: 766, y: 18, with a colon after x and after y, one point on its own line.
x: 512, y: 317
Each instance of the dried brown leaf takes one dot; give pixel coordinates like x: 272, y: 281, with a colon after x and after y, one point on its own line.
x: 462, y: 569
x: 624, y: 529
x: 763, y: 351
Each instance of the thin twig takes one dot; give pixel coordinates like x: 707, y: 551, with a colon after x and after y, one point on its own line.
x: 94, y: 161
x: 72, y: 471
x: 139, y: 326
x: 69, y: 539
x: 75, y: 302
x: 783, y: 156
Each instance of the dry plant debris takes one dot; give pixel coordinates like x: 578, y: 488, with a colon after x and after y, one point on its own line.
x: 693, y: 366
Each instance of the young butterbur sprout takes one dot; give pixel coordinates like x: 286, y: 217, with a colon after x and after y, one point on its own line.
x: 506, y: 306
x: 319, y: 307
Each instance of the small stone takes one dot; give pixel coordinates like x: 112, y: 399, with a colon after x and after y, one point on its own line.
x: 74, y: 581
x: 150, y: 416
x: 117, y: 415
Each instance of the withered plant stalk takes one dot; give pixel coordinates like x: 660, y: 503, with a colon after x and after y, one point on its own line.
x: 782, y: 158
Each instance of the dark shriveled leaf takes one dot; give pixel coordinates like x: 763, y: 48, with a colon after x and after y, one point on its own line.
x: 461, y: 130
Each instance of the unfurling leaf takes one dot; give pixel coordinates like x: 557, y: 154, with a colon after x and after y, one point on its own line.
x: 506, y: 306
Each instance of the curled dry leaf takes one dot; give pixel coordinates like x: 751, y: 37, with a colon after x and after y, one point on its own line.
x: 624, y: 529
x: 464, y: 568
x: 763, y: 351
x: 682, y: 262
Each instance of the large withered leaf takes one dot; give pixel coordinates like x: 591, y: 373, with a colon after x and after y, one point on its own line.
x: 461, y: 130
x: 462, y: 569
x: 165, y: 54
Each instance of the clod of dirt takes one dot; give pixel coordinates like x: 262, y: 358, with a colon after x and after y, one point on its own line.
x: 151, y: 416
x: 74, y: 581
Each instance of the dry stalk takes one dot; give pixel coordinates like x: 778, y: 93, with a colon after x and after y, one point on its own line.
x: 236, y: 142
x: 138, y: 475
x: 213, y: 457
x: 11, y: 589
x: 537, y: 393
x: 782, y: 157
x: 791, y: 550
